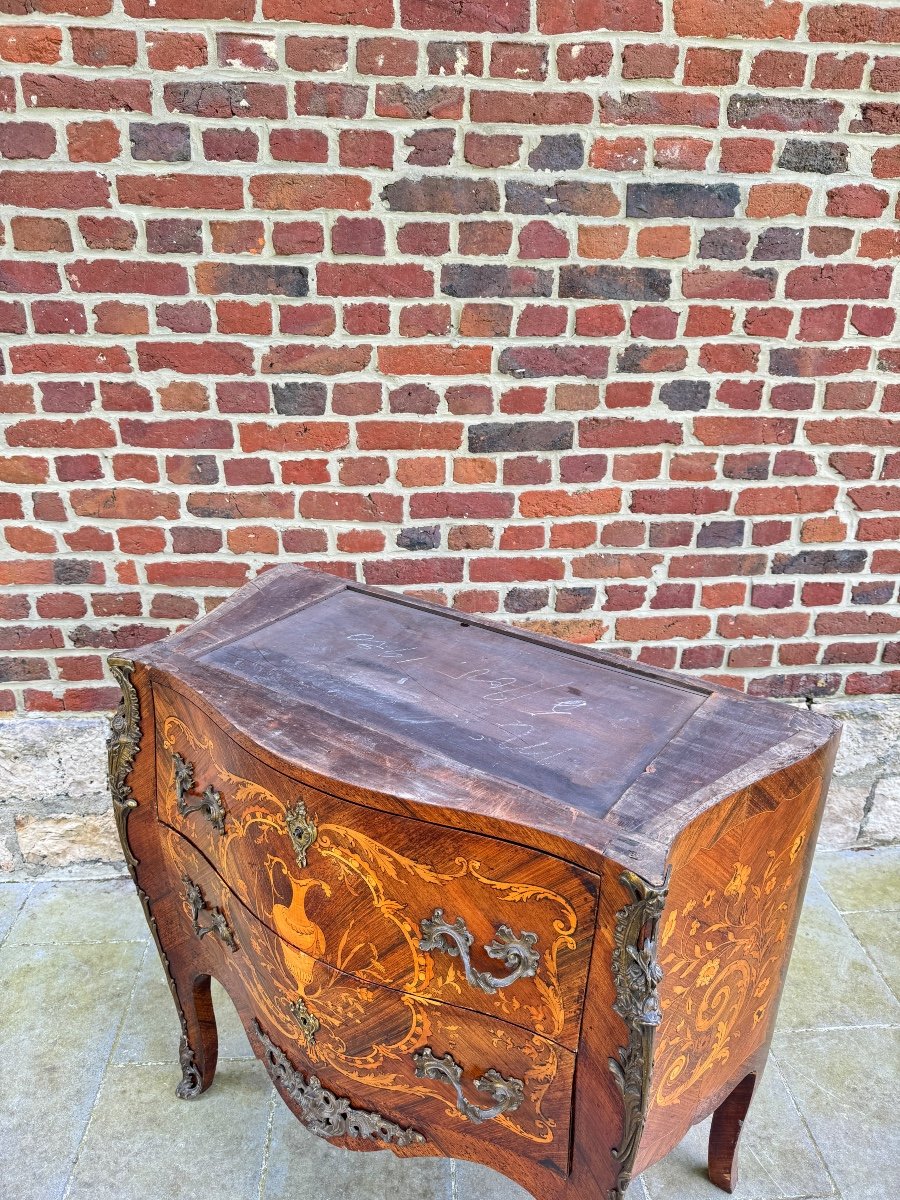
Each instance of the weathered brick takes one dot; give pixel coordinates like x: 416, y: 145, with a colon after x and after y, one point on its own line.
x: 614, y: 283
x: 822, y: 158
x: 442, y: 194
x: 784, y: 113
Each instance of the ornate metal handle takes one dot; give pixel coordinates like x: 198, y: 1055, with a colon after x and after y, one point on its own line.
x: 218, y: 924
x: 209, y: 802
x: 507, y: 1094
x: 302, y: 830
x: 517, y: 953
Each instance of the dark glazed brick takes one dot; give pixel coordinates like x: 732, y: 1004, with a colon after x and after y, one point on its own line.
x: 71, y: 572
x: 876, y: 592
x: 613, y: 283
x: 165, y: 142
x: 545, y: 362
x: 685, y: 395
x: 442, y: 194
x: 823, y: 158
x: 523, y: 599
x: 564, y: 196
x: 557, y: 152
x: 21, y: 670
x: 469, y: 280
x: 575, y: 599
x: 725, y: 244
x: 424, y: 537
x: 819, y: 562
x: 778, y: 243
x: 720, y: 534
x: 252, y: 279
x: 299, y: 399
x: 174, y: 236
x: 501, y: 438
x: 681, y: 199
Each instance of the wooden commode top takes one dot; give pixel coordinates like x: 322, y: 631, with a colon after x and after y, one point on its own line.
x: 474, y: 892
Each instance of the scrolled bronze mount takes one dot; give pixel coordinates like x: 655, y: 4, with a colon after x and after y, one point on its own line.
x: 209, y: 802
x: 217, y: 921
x: 507, y: 1094
x: 515, y: 952
x: 321, y: 1111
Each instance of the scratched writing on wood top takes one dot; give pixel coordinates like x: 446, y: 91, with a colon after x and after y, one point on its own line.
x: 475, y: 690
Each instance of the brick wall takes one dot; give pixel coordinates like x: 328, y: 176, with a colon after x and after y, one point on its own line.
x: 580, y: 313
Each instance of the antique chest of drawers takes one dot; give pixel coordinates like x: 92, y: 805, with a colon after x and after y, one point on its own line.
x: 473, y: 892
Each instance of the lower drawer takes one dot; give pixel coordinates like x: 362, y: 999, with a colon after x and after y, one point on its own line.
x: 454, y: 1076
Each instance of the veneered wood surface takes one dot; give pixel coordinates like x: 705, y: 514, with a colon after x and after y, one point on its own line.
x: 368, y: 1034
x: 725, y: 939
x: 371, y: 878
x: 304, y: 669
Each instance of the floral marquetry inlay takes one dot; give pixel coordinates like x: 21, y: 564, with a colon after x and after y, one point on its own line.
x: 722, y: 953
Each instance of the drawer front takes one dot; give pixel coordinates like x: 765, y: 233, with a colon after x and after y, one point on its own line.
x: 437, y: 913
x: 413, y: 1061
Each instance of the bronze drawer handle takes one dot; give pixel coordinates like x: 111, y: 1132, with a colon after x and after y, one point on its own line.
x: 209, y: 803
x: 518, y: 953
x: 507, y: 1094
x: 218, y: 924
x: 302, y: 830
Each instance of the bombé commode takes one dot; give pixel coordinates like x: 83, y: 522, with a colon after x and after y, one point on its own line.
x: 474, y: 892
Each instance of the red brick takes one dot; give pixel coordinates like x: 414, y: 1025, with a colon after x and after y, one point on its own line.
x: 116, y: 275
x: 200, y: 358
x: 127, y: 504
x: 30, y: 43
x: 307, y: 192
x: 181, y: 191
x: 98, y: 47
x: 373, y: 13
x: 573, y: 16
x: 547, y: 108
x: 854, y: 23
x: 724, y: 19
x: 58, y: 189
x: 468, y: 16
x: 98, y: 95
x: 186, y: 10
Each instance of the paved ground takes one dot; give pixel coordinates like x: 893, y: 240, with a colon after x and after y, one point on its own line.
x: 88, y: 1065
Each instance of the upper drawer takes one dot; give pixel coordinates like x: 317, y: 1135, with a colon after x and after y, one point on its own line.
x: 435, y: 912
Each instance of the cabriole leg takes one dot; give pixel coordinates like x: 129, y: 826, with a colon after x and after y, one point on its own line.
x: 727, y: 1122
x: 199, y: 1038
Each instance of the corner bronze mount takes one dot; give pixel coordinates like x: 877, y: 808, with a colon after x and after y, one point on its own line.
x: 637, y: 975
x: 517, y: 953
x: 209, y: 802
x: 322, y: 1112
x: 121, y: 751
x: 121, y: 748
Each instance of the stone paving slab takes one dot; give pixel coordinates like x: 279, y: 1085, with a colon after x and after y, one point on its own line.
x: 89, y: 1063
